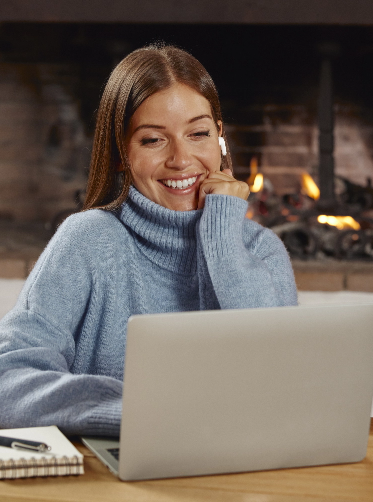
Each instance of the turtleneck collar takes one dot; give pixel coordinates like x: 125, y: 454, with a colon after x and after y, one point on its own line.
x: 166, y: 237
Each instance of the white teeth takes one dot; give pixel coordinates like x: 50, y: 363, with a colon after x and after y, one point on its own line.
x: 180, y: 184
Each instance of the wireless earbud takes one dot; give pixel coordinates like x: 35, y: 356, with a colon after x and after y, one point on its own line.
x: 222, y: 146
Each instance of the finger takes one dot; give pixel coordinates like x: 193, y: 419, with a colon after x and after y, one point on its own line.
x: 225, y: 175
x: 212, y: 184
x: 216, y: 186
x: 226, y: 186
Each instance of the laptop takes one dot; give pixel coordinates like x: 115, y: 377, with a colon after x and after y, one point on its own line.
x: 243, y: 390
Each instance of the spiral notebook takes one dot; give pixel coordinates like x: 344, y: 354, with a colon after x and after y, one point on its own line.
x: 63, y: 459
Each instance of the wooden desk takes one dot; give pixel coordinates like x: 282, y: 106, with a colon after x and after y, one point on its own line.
x: 348, y: 482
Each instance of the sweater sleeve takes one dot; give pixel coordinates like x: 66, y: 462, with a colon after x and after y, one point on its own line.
x: 241, y: 263
x: 38, y: 345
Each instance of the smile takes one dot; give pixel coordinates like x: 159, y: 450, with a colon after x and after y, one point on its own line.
x: 180, y: 184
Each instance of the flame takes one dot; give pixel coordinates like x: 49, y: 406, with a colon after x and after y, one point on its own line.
x: 309, y: 186
x: 258, y: 183
x: 253, y: 171
x: 255, y: 180
x: 340, y: 222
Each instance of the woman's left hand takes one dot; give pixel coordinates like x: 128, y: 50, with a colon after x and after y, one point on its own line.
x: 223, y: 183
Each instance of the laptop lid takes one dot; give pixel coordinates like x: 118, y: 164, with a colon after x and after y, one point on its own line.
x: 239, y: 390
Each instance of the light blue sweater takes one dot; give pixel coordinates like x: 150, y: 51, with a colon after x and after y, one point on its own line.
x: 62, y: 347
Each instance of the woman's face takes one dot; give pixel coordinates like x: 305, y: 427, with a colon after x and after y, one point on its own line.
x: 172, y: 146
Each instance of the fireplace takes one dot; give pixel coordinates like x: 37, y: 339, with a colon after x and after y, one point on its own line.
x: 311, y: 162
x: 273, y: 81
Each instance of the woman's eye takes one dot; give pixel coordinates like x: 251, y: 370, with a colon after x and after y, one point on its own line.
x: 200, y: 134
x: 149, y: 141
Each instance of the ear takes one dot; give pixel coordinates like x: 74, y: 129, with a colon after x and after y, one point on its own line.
x: 220, y: 127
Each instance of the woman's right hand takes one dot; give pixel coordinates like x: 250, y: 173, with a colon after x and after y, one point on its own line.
x: 223, y: 183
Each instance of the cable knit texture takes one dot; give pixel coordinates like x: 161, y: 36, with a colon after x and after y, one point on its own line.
x: 62, y: 347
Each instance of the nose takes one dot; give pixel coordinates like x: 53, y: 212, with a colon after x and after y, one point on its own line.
x: 179, y: 156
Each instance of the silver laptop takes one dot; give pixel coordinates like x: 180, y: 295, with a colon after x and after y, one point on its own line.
x: 243, y: 390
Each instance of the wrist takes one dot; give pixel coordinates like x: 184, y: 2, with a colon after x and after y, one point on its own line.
x: 221, y: 223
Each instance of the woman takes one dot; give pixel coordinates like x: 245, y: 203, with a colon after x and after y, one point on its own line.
x: 170, y: 235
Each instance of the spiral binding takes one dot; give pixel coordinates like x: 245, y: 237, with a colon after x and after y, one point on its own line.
x: 42, y: 466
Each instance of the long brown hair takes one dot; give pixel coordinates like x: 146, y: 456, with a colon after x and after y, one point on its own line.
x: 141, y: 74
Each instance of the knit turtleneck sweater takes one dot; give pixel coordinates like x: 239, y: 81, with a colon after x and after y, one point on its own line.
x: 167, y: 238
x: 62, y: 347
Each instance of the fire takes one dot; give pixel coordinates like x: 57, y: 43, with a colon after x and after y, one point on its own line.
x: 255, y: 180
x: 309, y: 186
x: 258, y: 183
x: 253, y: 171
x: 341, y: 222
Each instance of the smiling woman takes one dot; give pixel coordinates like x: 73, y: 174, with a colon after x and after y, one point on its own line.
x: 153, y: 92
x: 173, y: 150
x: 163, y: 230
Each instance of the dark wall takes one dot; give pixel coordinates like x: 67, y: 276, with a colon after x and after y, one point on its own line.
x: 191, y: 11
x: 249, y: 63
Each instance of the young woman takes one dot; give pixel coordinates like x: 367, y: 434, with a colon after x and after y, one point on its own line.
x: 163, y: 230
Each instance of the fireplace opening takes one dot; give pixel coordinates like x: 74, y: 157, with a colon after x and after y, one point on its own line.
x: 296, y: 99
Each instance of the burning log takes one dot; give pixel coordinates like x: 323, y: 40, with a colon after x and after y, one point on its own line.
x: 306, y: 233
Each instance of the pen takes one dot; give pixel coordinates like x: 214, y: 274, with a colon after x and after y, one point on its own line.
x: 24, y: 444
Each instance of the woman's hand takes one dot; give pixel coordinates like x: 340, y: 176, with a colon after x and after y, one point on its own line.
x: 223, y: 183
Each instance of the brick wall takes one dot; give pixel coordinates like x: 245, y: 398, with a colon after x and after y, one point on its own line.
x: 44, y: 150
x: 284, y: 139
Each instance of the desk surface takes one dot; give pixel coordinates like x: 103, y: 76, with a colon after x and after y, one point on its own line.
x: 347, y: 482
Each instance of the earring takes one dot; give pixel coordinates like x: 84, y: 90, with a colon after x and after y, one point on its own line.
x: 222, y: 146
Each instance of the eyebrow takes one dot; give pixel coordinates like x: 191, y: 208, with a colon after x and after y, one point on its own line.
x: 149, y: 126
x: 155, y: 126
x: 194, y: 119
